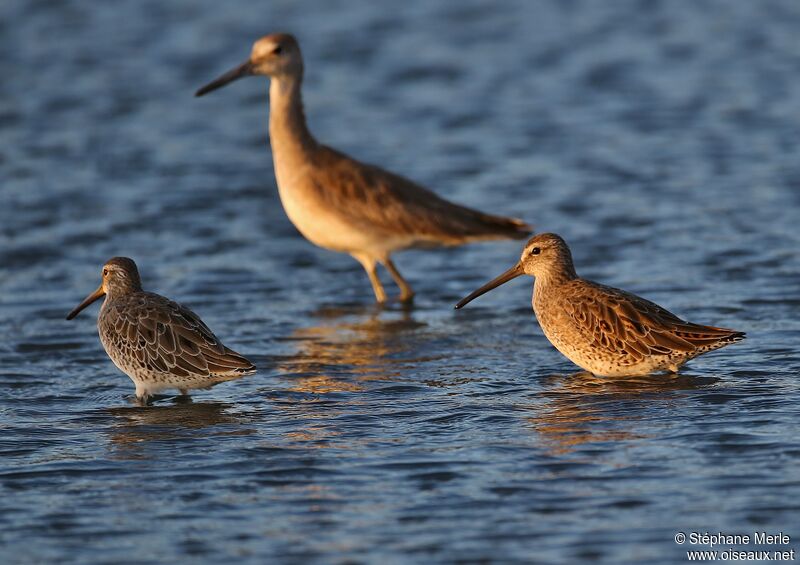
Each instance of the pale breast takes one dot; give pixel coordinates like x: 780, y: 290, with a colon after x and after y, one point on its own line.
x: 119, y: 350
x: 322, y: 224
x: 316, y: 223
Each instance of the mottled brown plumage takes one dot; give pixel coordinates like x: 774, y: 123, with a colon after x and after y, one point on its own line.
x: 605, y: 330
x: 345, y: 205
x: 158, y: 343
x: 386, y: 203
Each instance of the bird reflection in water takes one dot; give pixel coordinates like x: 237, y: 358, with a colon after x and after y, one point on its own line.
x: 346, y: 348
x: 136, y: 427
x: 582, y: 408
x: 349, y: 346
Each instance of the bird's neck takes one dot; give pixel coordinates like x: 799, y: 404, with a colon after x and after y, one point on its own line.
x: 288, y: 132
x: 107, y: 300
x: 120, y: 288
x: 553, y: 278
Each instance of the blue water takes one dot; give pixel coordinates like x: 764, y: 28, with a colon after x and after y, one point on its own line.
x: 659, y: 138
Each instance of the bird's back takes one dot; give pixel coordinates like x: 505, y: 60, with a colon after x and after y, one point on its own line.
x: 616, y: 332
x: 388, y: 207
x: 152, y: 338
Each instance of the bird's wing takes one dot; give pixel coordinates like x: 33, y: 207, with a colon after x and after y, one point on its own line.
x: 171, y: 338
x: 623, y: 323
x: 383, y: 201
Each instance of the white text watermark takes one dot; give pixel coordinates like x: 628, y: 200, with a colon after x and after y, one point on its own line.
x: 753, y: 546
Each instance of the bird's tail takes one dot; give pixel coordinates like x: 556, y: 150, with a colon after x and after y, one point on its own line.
x: 486, y: 227
x: 229, y: 365
x: 707, y: 338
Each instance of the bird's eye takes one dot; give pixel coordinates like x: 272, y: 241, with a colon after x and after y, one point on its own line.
x: 105, y: 272
x: 535, y: 251
x: 277, y: 51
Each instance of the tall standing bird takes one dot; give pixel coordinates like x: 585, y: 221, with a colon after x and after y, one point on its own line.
x: 604, y: 330
x: 345, y: 205
x: 158, y: 343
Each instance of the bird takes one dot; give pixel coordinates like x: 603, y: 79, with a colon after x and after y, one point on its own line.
x: 606, y: 331
x: 158, y: 343
x: 345, y: 205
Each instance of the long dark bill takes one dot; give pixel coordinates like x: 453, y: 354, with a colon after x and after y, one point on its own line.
x: 86, y: 301
x: 512, y: 273
x: 243, y: 70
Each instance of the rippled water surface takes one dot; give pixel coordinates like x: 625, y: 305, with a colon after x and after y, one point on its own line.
x: 659, y: 138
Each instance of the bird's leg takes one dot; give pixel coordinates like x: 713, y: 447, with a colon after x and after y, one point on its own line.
x: 406, y: 293
x: 183, y: 397
x: 370, y: 267
x: 142, y: 396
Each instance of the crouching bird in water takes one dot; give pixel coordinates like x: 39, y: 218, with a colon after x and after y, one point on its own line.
x: 158, y: 343
x: 342, y: 204
x: 604, y: 330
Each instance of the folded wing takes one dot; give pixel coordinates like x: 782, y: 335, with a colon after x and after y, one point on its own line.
x: 168, y: 337
x: 623, y: 323
x: 376, y: 198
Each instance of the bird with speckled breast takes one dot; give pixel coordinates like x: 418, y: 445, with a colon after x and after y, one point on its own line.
x: 158, y: 343
x: 604, y: 330
x: 342, y: 204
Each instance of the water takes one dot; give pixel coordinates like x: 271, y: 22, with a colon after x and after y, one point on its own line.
x: 659, y: 138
